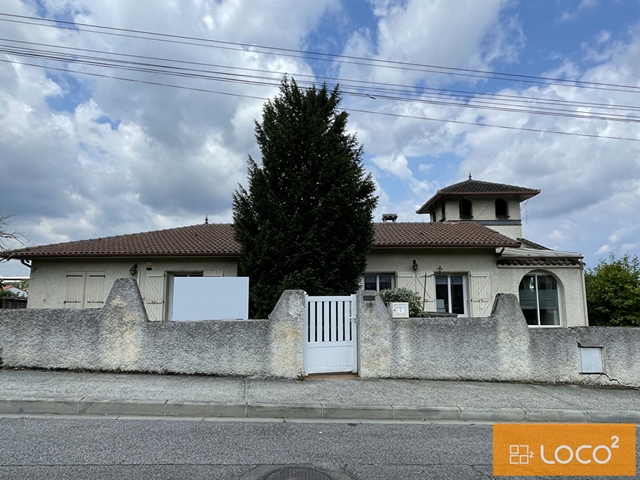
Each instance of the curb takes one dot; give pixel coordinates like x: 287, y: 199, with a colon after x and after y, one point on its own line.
x: 173, y: 408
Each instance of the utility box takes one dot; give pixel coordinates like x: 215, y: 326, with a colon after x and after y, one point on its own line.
x: 398, y: 309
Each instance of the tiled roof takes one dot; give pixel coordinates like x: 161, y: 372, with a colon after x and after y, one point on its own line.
x: 461, y: 234
x: 475, y: 188
x: 218, y: 240
x: 539, y: 262
x: 195, y: 240
x: 531, y: 254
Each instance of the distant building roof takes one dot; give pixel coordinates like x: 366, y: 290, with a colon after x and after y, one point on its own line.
x: 479, y: 188
x: 210, y: 240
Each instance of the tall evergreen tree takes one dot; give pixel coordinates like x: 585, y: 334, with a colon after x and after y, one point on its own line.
x: 306, y: 221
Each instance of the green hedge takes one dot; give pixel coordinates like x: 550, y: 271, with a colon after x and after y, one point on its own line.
x: 404, y: 295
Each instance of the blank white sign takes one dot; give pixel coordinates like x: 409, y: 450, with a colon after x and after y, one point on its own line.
x: 210, y: 298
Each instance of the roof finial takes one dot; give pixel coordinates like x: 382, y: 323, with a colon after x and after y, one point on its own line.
x: 206, y: 219
x: 469, y: 175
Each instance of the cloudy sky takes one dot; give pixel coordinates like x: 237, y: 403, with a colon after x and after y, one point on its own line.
x: 120, y: 117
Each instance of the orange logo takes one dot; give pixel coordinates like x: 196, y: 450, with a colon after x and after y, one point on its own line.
x: 564, y: 450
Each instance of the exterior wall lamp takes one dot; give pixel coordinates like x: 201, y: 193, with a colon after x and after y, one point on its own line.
x: 133, y: 270
x: 415, y: 266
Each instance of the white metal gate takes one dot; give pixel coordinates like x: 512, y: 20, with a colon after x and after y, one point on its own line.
x: 330, y: 335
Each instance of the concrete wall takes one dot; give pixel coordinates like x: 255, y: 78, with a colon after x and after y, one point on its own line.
x: 497, y: 348
x: 119, y: 337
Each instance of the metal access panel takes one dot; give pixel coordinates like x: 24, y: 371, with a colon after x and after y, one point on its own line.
x: 210, y: 298
x: 330, y: 335
x: 590, y: 359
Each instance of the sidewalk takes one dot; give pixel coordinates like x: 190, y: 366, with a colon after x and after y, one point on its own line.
x: 325, y: 397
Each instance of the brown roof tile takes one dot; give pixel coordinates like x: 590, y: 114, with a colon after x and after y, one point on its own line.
x: 477, y: 187
x: 195, y: 240
x: 462, y: 234
x: 218, y: 240
x: 540, y: 262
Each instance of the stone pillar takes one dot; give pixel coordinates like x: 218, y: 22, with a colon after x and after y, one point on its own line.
x: 374, y: 336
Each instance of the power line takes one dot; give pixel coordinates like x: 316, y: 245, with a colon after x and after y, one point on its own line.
x: 350, y: 110
x: 338, y: 58
x: 376, y: 90
x: 348, y: 87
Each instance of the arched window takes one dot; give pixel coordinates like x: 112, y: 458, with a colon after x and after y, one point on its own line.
x: 465, y: 208
x: 539, y: 300
x: 502, y: 208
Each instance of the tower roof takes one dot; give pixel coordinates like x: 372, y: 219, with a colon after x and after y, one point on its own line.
x: 479, y: 188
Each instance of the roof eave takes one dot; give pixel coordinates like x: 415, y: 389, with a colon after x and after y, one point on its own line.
x: 448, y: 245
x: 119, y: 255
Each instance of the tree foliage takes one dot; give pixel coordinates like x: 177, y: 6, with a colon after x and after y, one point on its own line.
x: 404, y: 295
x: 613, y: 291
x: 305, y: 221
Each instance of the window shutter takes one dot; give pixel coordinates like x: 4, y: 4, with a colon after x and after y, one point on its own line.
x: 74, y: 292
x: 480, y: 286
x: 428, y: 294
x: 416, y: 283
x: 94, y: 292
x: 154, y: 296
x: 407, y: 280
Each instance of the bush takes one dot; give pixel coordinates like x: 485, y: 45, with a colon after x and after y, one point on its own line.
x: 404, y: 295
x: 613, y: 291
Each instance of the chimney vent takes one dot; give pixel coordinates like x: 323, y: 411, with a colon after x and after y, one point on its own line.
x: 389, y: 217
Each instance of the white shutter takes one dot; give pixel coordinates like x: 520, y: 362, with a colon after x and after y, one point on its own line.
x: 415, y: 281
x: 407, y: 280
x: 428, y: 294
x: 480, y: 286
x: 94, y: 291
x: 74, y: 292
x: 154, y: 296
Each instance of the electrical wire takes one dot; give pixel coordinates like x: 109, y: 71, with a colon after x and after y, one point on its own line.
x: 365, y: 89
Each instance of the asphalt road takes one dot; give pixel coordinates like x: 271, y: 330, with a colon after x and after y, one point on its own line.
x: 108, y: 448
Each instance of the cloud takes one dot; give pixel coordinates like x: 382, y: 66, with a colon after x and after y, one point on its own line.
x: 101, y: 156
x: 457, y: 33
x: 584, y: 5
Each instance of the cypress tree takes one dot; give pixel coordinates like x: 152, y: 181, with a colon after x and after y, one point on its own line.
x: 306, y: 219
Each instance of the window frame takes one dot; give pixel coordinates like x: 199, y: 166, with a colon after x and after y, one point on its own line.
x: 503, y: 210
x: 465, y: 292
x: 535, y: 275
x: 465, y: 207
x: 377, y: 275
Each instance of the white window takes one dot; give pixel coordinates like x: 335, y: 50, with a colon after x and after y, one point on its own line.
x: 379, y: 281
x: 451, y: 294
x: 539, y: 300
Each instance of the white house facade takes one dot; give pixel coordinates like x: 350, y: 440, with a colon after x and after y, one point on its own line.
x: 470, y: 250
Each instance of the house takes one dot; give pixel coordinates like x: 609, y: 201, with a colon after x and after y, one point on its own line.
x: 470, y: 249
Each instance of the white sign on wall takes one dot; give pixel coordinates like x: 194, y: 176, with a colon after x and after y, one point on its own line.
x: 210, y: 298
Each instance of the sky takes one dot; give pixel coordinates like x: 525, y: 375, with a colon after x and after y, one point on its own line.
x: 122, y: 117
